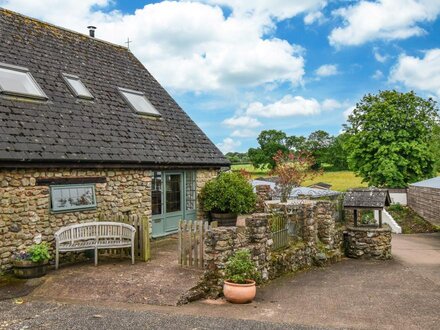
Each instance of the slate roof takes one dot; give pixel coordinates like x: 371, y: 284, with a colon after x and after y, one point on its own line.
x: 367, y: 198
x: 296, y: 192
x: 321, y: 185
x: 430, y: 183
x: 66, y: 130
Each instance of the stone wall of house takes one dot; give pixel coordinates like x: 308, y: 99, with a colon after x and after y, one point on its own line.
x: 25, y: 206
x: 426, y: 202
x: 369, y: 242
x: 202, y: 177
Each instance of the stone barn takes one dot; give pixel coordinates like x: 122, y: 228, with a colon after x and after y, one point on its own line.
x: 424, y: 198
x: 85, y: 129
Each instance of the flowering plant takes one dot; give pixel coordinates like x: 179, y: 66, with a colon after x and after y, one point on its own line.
x: 292, y: 169
x: 36, y: 253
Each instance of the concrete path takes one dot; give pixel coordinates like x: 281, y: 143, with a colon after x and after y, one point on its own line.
x: 160, y: 282
x: 419, y: 252
x: 403, y: 293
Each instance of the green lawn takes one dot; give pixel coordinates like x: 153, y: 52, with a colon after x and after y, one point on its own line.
x: 340, y: 181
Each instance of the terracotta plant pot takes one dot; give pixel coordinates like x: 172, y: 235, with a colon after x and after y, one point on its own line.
x: 29, y: 269
x: 239, y: 293
x: 224, y: 219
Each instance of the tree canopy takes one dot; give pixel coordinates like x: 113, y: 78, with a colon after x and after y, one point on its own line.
x: 326, y: 149
x: 389, y: 138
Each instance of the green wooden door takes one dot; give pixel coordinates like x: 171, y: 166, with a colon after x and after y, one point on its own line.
x: 173, y: 199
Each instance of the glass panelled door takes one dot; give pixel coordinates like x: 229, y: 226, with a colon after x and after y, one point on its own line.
x: 173, y: 201
x: 173, y: 198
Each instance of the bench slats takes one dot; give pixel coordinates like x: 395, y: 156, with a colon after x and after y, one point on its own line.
x: 94, y: 235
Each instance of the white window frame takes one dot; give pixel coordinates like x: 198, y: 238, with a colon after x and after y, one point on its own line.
x: 21, y: 69
x: 67, y: 76
x: 126, y: 90
x: 55, y: 209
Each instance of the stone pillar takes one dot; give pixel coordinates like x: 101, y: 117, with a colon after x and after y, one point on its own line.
x: 326, y: 222
x: 369, y: 242
x: 264, y: 193
x: 258, y: 233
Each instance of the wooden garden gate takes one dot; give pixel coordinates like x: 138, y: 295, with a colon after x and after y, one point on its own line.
x: 142, y: 237
x: 191, y: 235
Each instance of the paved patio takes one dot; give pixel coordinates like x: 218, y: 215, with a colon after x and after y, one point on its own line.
x: 403, y: 293
x: 159, y: 282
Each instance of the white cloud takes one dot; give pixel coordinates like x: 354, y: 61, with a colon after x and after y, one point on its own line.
x: 377, y: 75
x: 349, y: 111
x: 244, y: 133
x: 242, y: 121
x: 384, y: 19
x: 330, y: 104
x: 279, y: 9
x: 419, y: 73
x: 190, y: 45
x: 313, y: 17
x: 290, y: 106
x: 378, y: 56
x: 327, y: 70
x: 228, y: 145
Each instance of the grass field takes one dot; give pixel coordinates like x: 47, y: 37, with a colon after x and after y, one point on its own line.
x: 340, y: 181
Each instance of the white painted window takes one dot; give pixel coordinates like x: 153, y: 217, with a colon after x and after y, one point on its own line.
x: 18, y: 81
x: 138, y: 102
x: 72, y: 197
x: 77, y: 87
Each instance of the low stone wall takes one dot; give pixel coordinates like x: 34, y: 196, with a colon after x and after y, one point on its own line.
x: 369, y: 242
x: 220, y: 243
x: 320, y: 243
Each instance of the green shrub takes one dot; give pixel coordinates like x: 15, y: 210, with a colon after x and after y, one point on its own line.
x: 240, y: 268
x: 396, y: 207
x: 228, y: 193
x: 39, y: 252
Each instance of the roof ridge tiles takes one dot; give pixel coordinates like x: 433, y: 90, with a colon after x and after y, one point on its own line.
x: 36, y: 20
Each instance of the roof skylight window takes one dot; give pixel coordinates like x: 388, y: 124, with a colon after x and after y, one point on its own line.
x: 77, y: 87
x: 139, y: 102
x: 18, y: 81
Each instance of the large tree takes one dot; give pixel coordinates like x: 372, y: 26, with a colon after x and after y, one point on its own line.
x: 389, y: 138
x: 435, y: 146
x: 270, y: 141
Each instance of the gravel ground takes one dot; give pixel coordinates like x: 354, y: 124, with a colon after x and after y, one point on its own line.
x: 43, y: 315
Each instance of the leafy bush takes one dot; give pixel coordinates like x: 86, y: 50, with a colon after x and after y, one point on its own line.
x: 240, y: 268
x: 228, y: 193
x: 368, y: 218
x: 36, y: 253
x: 396, y: 207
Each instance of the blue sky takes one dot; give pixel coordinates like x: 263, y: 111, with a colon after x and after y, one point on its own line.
x: 238, y: 67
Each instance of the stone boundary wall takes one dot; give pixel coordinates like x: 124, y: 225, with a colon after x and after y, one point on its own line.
x: 369, y: 243
x: 321, y: 243
x: 426, y: 202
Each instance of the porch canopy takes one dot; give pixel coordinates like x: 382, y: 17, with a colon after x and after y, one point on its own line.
x: 366, y: 199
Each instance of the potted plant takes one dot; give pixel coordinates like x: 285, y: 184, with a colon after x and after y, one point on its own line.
x: 227, y: 196
x: 241, y: 274
x: 32, y: 262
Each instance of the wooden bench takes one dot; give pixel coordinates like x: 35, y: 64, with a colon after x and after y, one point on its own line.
x: 94, y: 236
